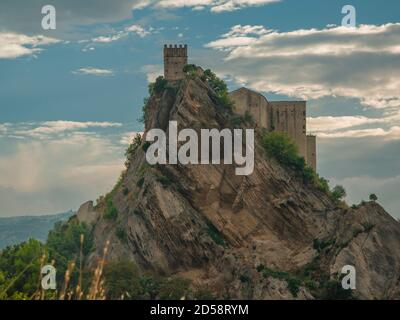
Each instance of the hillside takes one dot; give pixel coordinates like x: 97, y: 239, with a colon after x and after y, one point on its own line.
x: 275, y: 234
x: 14, y: 230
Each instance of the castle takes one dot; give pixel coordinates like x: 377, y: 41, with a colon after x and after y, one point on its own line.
x: 281, y: 116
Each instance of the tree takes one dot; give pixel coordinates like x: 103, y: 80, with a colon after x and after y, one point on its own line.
x: 122, y: 279
x: 373, y: 197
x: 338, y: 193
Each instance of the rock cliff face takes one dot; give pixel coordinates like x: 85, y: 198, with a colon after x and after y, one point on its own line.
x: 263, y: 236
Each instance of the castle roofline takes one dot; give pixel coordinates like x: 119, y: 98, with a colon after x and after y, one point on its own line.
x: 249, y: 90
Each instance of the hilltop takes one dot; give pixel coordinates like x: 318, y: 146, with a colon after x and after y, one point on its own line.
x: 275, y: 234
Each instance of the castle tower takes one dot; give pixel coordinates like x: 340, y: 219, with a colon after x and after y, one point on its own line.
x: 175, y: 58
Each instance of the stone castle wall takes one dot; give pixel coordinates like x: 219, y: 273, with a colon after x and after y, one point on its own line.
x: 175, y: 59
x: 282, y: 116
x: 312, y: 151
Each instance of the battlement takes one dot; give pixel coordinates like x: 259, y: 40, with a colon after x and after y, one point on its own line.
x: 175, y: 50
x: 175, y: 59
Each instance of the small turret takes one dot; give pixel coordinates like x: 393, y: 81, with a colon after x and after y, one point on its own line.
x: 175, y: 59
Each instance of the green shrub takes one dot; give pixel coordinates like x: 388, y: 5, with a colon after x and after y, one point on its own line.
x: 248, y: 117
x: 244, y: 278
x: 338, y: 193
x: 165, y: 181
x: 368, y: 226
x: 146, y: 145
x: 140, y: 182
x: 333, y: 290
x: 236, y: 120
x: 158, y: 86
x: 292, y: 281
x: 174, y: 289
x: 19, y: 269
x: 215, y: 234
x: 137, y: 141
x: 203, y: 294
x: 121, y: 234
x: 138, y: 212
x: 373, y: 197
x: 190, y: 70
x: 143, y: 117
x: 125, y: 191
x: 122, y: 279
x: 111, y: 212
x: 320, y: 245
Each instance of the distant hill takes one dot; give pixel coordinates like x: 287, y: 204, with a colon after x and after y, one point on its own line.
x: 14, y: 230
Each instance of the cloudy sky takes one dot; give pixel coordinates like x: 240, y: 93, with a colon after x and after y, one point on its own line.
x: 70, y: 98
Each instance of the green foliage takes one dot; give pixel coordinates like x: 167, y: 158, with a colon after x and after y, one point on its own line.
x: 321, y: 245
x: 244, y: 278
x: 146, y: 145
x: 64, y: 243
x: 282, y: 147
x: 248, y: 117
x: 150, y: 287
x: 111, y: 212
x: 158, y: 86
x: 190, y: 70
x: 368, y: 226
x: 338, y: 193
x: 174, y: 289
x: 138, y: 212
x: 292, y: 281
x: 236, y: 120
x: 333, y: 290
x: 125, y: 191
x: 122, y: 279
x: 121, y: 234
x: 215, y: 234
x: 19, y: 269
x: 137, y: 141
x: 143, y: 117
x: 373, y: 197
x: 165, y: 181
x: 218, y: 85
x: 140, y: 182
x: 203, y: 293
x: 220, y: 88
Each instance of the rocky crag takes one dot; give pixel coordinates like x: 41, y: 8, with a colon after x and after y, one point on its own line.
x: 269, y: 235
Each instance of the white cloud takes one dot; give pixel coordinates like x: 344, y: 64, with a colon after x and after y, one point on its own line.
x: 14, y: 45
x: 321, y: 124
x: 51, y: 129
x: 49, y: 176
x: 127, y: 138
x: 362, y: 62
x: 94, y: 71
x: 214, y: 5
x: 108, y: 39
x: 392, y: 133
x: 139, y: 30
x: 152, y: 71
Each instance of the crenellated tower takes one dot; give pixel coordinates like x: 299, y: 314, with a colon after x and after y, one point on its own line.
x: 175, y: 59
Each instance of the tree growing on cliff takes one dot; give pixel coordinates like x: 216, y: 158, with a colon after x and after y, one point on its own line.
x: 373, y: 197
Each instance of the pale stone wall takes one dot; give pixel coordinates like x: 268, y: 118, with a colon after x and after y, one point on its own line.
x: 290, y: 117
x: 312, y: 151
x: 250, y: 101
x: 175, y: 59
x: 282, y: 116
